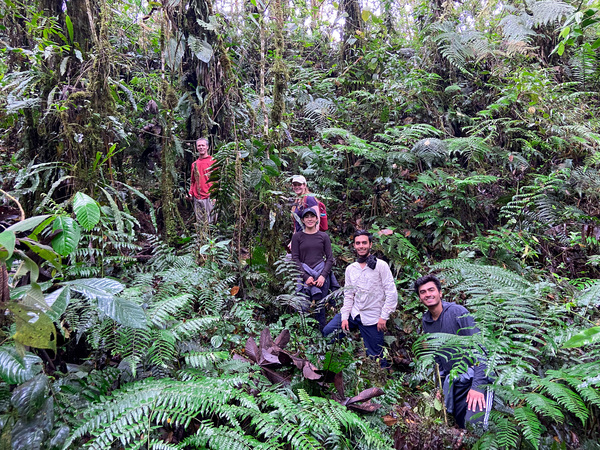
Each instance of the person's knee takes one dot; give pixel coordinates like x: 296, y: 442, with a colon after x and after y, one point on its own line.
x: 333, y: 325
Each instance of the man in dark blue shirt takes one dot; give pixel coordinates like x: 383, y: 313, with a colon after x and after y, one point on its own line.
x: 464, y: 396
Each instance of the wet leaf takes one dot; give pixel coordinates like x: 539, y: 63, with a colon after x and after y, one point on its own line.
x: 34, y: 328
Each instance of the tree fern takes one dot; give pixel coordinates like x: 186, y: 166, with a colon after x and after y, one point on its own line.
x: 460, y: 46
x: 548, y: 11
x: 520, y: 26
x: 431, y: 151
x: 319, y: 112
x: 517, y: 27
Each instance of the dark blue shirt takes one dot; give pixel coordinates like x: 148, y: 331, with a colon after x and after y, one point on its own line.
x: 454, y: 319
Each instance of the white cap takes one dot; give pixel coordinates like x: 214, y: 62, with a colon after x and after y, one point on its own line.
x: 299, y: 179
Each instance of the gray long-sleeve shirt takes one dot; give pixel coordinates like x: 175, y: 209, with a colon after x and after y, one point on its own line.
x: 454, y: 319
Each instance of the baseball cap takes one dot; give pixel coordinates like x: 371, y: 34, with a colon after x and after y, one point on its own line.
x: 309, y: 210
x: 298, y: 179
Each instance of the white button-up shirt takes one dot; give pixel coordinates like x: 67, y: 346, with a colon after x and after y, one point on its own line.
x: 370, y: 293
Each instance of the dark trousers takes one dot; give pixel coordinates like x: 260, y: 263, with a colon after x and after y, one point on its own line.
x: 319, y: 314
x: 463, y: 415
x: 372, y: 338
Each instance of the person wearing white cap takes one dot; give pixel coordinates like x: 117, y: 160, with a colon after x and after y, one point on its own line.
x: 303, y: 200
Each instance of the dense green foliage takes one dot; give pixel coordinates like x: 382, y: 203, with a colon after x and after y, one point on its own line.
x: 468, y: 130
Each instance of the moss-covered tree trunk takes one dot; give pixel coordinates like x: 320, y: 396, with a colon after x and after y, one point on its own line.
x: 84, y: 17
x: 353, y: 24
x: 87, y: 122
x: 279, y: 68
x: 207, y: 69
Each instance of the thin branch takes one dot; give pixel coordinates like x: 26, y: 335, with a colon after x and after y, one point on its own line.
x: 18, y: 204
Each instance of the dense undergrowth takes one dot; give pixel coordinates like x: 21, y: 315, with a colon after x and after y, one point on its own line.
x: 469, y: 131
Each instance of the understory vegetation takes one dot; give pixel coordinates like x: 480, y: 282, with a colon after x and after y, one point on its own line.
x: 464, y: 136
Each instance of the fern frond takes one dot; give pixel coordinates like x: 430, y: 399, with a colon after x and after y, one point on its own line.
x: 530, y: 424
x: 548, y: 11
x: 190, y: 327
x: 163, y: 351
x: 544, y: 406
x: 506, y: 432
x: 566, y: 398
x: 431, y: 150
x: 209, y: 436
x: 178, y: 306
x: 319, y: 112
x: 204, y: 360
x: 460, y: 46
x: 583, y: 64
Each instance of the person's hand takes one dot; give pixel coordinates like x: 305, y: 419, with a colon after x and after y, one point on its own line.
x: 381, y: 324
x: 320, y: 281
x: 475, y: 399
x: 345, y: 325
x: 289, y: 247
x: 310, y: 281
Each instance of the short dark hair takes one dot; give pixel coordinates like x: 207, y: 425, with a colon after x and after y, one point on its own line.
x: 363, y: 233
x: 426, y: 279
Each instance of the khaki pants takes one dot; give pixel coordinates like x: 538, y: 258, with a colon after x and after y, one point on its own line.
x: 204, y: 209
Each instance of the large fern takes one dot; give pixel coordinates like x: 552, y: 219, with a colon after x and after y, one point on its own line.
x: 245, y: 421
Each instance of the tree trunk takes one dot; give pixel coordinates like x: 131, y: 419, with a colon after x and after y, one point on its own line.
x: 86, y: 123
x: 84, y: 15
x: 353, y: 24
x: 279, y: 68
x: 213, y: 76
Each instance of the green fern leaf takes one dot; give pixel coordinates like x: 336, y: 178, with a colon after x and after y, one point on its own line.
x: 544, y: 406
x: 507, y: 434
x: 567, y: 398
x: 530, y: 424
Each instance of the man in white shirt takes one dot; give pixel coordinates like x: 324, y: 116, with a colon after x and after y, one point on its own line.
x: 370, y: 297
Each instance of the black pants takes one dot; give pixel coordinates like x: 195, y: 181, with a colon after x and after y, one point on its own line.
x: 463, y: 415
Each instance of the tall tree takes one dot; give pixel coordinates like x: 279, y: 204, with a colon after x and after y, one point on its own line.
x: 279, y: 68
x: 353, y: 23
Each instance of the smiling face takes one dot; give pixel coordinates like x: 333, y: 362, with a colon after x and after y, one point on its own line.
x: 362, y: 245
x: 202, y: 147
x: 299, y: 188
x: 430, y: 295
x: 309, y: 220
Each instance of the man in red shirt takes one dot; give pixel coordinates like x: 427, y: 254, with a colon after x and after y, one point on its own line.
x: 203, y: 204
